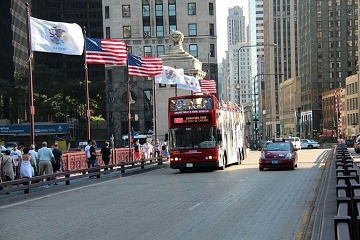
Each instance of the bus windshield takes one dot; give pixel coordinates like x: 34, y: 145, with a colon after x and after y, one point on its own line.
x: 192, y: 138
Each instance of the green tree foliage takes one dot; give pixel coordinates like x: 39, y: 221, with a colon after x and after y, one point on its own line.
x: 53, y: 95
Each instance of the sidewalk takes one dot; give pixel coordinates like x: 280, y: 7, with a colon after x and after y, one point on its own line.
x: 326, y: 208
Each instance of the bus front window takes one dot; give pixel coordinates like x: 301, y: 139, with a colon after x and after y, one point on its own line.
x: 192, y: 138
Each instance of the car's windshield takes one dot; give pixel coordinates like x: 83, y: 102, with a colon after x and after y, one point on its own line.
x: 189, y: 138
x: 275, y: 146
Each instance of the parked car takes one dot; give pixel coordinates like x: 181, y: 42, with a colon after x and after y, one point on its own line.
x: 10, y: 145
x: 357, y: 145
x: 309, y: 143
x: 349, y: 142
x: 278, y: 154
x: 2, y: 149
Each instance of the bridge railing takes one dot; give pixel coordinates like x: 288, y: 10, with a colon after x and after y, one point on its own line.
x: 347, y: 220
x: 75, y: 167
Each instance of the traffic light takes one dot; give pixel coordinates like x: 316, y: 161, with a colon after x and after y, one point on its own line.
x: 256, y: 126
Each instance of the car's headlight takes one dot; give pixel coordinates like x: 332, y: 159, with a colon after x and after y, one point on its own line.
x: 288, y: 156
x: 262, y: 155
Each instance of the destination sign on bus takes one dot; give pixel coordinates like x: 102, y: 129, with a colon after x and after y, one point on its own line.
x: 191, y: 119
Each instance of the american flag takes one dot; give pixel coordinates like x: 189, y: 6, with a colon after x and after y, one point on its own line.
x: 208, y: 86
x: 105, y: 51
x: 144, y: 66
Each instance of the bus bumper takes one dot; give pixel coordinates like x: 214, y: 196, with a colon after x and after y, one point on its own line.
x: 181, y: 165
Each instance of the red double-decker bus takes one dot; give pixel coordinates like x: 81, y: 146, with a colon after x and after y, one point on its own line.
x: 205, y: 133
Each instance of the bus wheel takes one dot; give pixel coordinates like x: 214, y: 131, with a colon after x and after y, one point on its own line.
x: 182, y: 170
x: 238, y: 155
x: 223, y: 163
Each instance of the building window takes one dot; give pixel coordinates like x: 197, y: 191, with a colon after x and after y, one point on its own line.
x: 107, y: 33
x: 192, y: 29
x: 172, y: 28
x: 211, y: 9
x: 162, y: 85
x: 193, y: 50
x: 159, y: 10
x: 126, y: 11
x: 191, y: 8
x: 212, y: 29
x: 212, y: 50
x: 127, y: 31
x: 160, y: 31
x: 146, y: 10
x: 147, y: 31
x: 160, y: 50
x: 107, y: 12
x: 147, y: 51
x: 172, y: 10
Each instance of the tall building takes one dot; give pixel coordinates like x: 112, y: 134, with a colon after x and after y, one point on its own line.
x: 238, y: 59
x: 256, y: 37
x: 236, y: 26
x: 329, y: 54
x: 14, y: 54
x: 281, y: 27
x: 145, y: 28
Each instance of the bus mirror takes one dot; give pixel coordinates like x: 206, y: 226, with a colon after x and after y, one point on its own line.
x: 166, y: 137
x: 219, y: 137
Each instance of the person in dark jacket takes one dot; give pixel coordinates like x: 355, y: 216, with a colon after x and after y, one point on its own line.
x: 105, y: 154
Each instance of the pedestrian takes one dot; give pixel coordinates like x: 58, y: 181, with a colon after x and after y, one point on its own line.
x: 46, y: 158
x: 91, y: 154
x: 157, y: 148
x: 137, y: 150
x: 7, y: 164
x: 26, y: 165
x: 105, y: 154
x: 164, y: 149
x: 16, y: 155
x: 147, y: 149
x: 58, y: 157
x: 34, y: 154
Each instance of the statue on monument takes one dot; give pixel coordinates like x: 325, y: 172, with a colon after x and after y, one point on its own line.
x: 176, y: 38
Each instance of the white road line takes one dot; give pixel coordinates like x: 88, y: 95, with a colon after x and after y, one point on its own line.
x: 195, y: 206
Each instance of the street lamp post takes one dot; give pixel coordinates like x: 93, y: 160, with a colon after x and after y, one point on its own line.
x: 255, y: 100
x: 248, y: 46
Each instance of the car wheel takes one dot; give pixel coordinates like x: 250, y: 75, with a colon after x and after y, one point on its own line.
x: 182, y: 170
x: 261, y: 168
x: 292, y: 167
x: 310, y: 146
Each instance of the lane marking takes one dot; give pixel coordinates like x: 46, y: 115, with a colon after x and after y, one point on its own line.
x: 195, y: 206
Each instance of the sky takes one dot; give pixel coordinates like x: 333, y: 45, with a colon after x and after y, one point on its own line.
x: 222, y: 7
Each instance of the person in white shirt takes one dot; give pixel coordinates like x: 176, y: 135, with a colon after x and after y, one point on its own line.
x: 17, y: 156
x: 35, y: 155
x: 148, y: 149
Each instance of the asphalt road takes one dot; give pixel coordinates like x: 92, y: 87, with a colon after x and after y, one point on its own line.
x: 238, y: 203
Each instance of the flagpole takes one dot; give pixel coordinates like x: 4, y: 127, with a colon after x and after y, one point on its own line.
x: 129, y: 109
x: 31, y: 85
x: 155, y: 110
x: 175, y: 86
x: 87, y: 91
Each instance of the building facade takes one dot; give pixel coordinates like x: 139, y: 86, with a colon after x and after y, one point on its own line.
x: 14, y: 54
x: 145, y: 28
x: 281, y: 27
x: 329, y: 50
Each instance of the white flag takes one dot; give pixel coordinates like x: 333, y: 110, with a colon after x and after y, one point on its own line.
x: 170, y: 76
x: 56, y: 37
x: 191, y: 83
